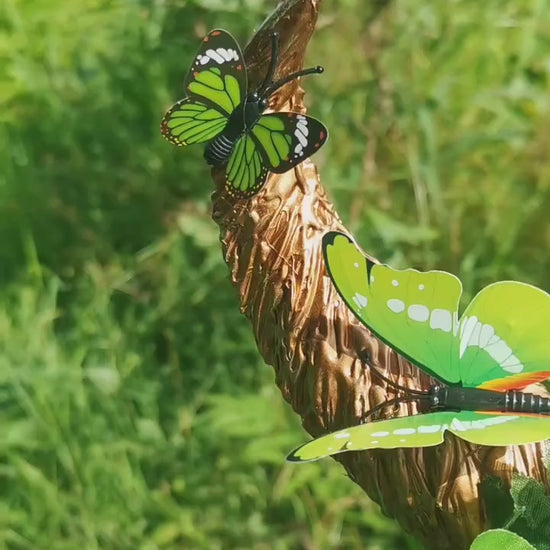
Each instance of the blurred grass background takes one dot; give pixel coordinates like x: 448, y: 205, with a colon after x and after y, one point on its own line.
x: 136, y: 411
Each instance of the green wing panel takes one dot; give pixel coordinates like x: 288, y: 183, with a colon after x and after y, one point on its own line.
x: 217, y: 76
x: 500, y: 429
x: 218, y: 90
x: 286, y: 139
x: 504, y: 333
x: 272, y: 139
x: 189, y: 122
x: 425, y: 430
x: 414, y: 312
x: 245, y: 172
x: 422, y: 430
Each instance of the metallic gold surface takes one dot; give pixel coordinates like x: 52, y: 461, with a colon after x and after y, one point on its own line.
x: 272, y: 246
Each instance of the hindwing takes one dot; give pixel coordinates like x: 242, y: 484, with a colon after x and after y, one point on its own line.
x: 189, y: 122
x: 246, y: 171
x: 286, y: 139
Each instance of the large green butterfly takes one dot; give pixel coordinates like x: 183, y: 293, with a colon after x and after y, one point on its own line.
x: 496, y: 348
x: 219, y: 111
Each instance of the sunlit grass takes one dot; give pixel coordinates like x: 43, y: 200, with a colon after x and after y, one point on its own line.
x: 136, y: 410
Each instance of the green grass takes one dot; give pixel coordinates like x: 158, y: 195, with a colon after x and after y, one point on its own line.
x: 136, y: 411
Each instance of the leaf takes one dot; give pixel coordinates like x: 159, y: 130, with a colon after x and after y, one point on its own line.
x: 501, y: 539
x: 532, y: 509
x: 498, y: 502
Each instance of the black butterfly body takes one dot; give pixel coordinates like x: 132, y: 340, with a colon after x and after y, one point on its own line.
x: 241, y: 121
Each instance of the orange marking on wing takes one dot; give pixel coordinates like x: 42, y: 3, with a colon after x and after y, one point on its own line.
x: 195, y: 74
x: 239, y: 67
x: 515, y: 382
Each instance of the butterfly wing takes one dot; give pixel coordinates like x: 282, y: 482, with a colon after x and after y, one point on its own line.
x: 286, y: 139
x: 500, y: 429
x: 217, y: 77
x: 422, y: 430
x: 276, y: 143
x: 425, y: 430
x: 414, y: 312
x: 503, y: 340
x: 189, y: 122
x: 246, y: 171
x: 215, y: 84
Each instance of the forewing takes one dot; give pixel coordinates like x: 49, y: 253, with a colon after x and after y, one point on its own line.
x: 503, y: 340
x: 286, y: 139
x: 246, y: 172
x: 189, y: 122
x: 422, y: 430
x: 217, y: 76
x: 413, y: 312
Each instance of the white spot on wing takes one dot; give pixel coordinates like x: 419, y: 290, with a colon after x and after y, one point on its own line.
x: 512, y: 364
x: 404, y: 431
x: 441, y: 319
x: 214, y: 56
x: 300, y: 133
x: 302, y: 126
x: 487, y: 333
x: 431, y: 429
x: 360, y: 300
x: 499, y: 351
x: 466, y: 329
x: 343, y: 435
x: 380, y: 434
x: 482, y: 335
x: 474, y: 337
x: 397, y: 306
x: 301, y: 137
x: 467, y: 425
x: 395, y: 283
x: 418, y: 312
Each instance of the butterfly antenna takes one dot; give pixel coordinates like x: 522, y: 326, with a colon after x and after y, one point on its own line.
x: 396, y: 400
x: 364, y: 357
x: 274, y: 87
x: 268, y: 80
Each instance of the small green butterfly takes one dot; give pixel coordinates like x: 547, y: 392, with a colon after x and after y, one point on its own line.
x: 219, y: 111
x: 483, y: 359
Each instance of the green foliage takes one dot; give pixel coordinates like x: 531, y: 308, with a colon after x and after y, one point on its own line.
x: 502, y: 539
x: 531, y: 517
x: 524, y: 510
x: 136, y: 412
x: 497, y: 501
